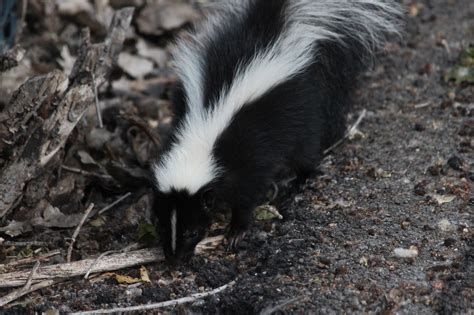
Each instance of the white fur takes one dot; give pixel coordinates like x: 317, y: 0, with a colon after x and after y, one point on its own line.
x: 173, y: 230
x: 190, y: 165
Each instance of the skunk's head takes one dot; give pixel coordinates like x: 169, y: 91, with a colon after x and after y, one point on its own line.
x: 182, y: 223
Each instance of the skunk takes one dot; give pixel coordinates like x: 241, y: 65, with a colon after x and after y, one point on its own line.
x: 263, y: 85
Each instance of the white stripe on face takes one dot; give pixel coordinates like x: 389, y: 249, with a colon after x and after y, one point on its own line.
x: 173, y: 231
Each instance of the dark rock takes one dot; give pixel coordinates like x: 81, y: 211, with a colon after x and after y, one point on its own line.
x: 434, y: 170
x: 455, y: 163
x: 419, y: 127
x: 420, y: 188
x: 449, y: 242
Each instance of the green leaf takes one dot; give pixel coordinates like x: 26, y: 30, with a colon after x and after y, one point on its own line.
x: 463, y: 71
x: 147, y: 233
x: 267, y: 212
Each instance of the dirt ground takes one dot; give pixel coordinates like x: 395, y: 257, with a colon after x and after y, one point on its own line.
x: 402, y: 186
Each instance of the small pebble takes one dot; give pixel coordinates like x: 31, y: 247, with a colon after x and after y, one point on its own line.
x: 455, y: 163
x: 446, y: 226
x: 434, y: 170
x: 420, y: 188
x: 325, y: 260
x: 405, y: 224
x: 470, y: 175
x: 419, y: 127
x: 449, y: 242
x: 411, y: 252
x: 341, y: 270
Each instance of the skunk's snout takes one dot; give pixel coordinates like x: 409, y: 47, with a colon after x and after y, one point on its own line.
x: 179, y: 257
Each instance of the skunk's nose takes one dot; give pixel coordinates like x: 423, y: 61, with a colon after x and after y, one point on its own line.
x: 178, y: 258
x: 172, y: 260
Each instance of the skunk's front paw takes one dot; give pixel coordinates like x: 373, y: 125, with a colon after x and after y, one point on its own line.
x: 234, y: 238
x: 236, y: 233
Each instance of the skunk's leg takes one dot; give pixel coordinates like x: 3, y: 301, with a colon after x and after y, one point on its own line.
x: 306, y: 167
x: 242, y: 218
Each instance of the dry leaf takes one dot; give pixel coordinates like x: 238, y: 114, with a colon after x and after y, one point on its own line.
x: 53, y: 217
x: 144, y: 274
x: 267, y: 212
x: 441, y: 199
x: 15, y: 228
x: 126, y: 279
x: 98, y: 222
x: 208, y: 244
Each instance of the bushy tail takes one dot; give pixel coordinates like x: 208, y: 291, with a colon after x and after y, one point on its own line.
x: 366, y: 23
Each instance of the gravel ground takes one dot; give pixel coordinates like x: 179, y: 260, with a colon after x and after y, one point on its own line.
x: 404, y: 182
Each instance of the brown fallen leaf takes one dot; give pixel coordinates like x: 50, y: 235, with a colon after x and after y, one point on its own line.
x: 208, y: 244
x: 126, y: 279
x: 144, y: 274
x: 442, y: 199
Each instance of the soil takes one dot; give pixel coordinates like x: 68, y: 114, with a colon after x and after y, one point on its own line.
x: 403, y: 182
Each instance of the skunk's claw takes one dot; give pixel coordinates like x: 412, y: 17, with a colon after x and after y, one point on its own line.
x: 234, y: 238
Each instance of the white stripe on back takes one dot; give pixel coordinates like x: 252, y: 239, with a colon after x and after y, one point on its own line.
x: 189, y: 164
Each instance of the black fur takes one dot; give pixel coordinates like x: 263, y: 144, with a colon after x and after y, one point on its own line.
x: 288, y: 127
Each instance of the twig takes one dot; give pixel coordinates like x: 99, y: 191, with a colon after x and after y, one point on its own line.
x: 188, y: 299
x: 29, y: 243
x: 22, y: 291
x: 280, y: 306
x: 349, y: 133
x: 19, y: 293
x: 30, y: 278
x: 114, y: 203
x: 79, y: 268
x: 31, y: 259
x: 275, y: 192
x: 82, y: 172
x: 422, y: 105
x: 76, y: 232
x: 124, y: 250
x: 97, y: 105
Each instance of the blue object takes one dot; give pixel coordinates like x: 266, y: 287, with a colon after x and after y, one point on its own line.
x: 8, y: 16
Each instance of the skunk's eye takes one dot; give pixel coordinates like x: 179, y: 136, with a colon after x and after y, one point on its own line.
x: 191, y: 234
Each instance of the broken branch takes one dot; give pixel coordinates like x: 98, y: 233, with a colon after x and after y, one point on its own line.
x: 78, y: 268
x: 188, y: 299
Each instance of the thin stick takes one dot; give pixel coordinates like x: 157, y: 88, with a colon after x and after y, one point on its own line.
x: 22, y: 291
x: 124, y: 250
x: 350, y: 132
x: 281, y: 305
x: 422, y: 105
x: 80, y: 267
x: 275, y: 192
x: 188, y: 299
x: 114, y: 203
x: 28, y: 260
x: 29, y: 243
x: 97, y: 105
x: 76, y: 232
x: 10, y: 297
x: 79, y: 171
x: 30, y: 278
